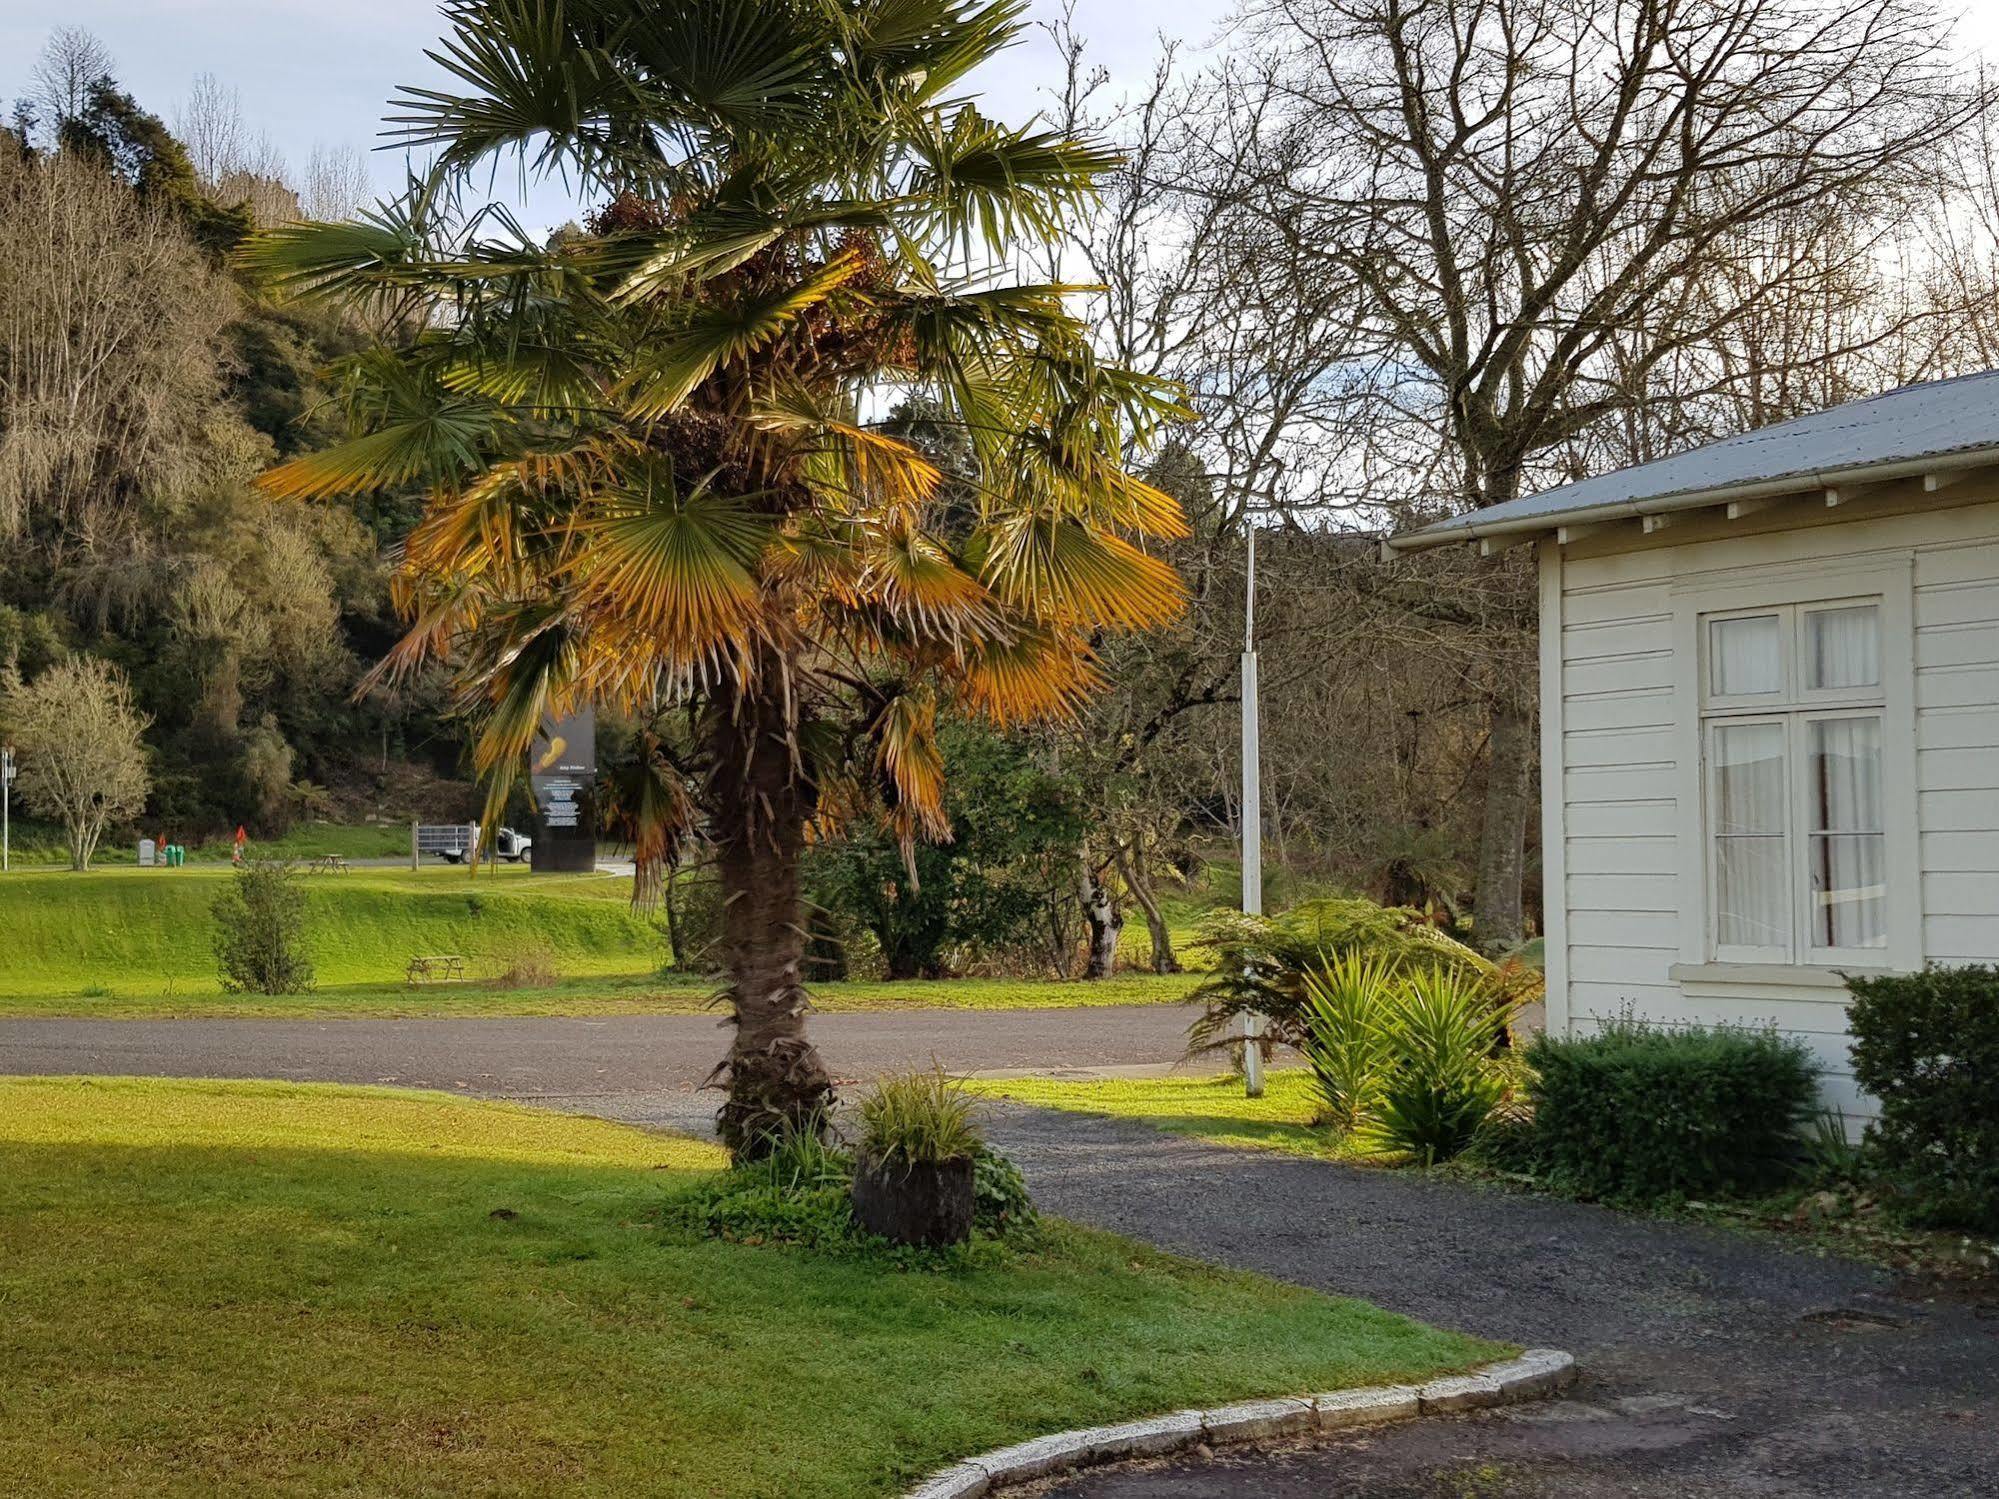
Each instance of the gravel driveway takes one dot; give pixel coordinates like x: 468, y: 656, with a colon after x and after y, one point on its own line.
x: 1713, y: 1364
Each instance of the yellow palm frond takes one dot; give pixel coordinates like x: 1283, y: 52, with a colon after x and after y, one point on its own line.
x: 1035, y: 673
x: 679, y: 567
x: 906, y: 752
x: 1065, y: 570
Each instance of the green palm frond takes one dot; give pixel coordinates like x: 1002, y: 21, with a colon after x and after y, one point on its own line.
x: 987, y: 181
x: 665, y: 375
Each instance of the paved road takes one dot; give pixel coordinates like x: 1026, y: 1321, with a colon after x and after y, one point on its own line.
x: 1714, y: 1364
x: 646, y: 1068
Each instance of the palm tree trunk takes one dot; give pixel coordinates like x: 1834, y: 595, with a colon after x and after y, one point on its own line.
x: 760, y: 801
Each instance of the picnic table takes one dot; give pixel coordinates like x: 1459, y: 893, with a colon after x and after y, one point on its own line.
x: 328, y: 864
x: 438, y: 968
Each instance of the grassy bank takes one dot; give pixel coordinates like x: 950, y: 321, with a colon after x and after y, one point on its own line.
x: 132, y: 944
x: 147, y: 933
x: 259, y: 1288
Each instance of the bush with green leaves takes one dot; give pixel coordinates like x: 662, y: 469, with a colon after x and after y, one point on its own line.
x: 1000, y: 1204
x: 1927, y: 1046
x: 1262, y: 964
x: 1404, y: 1058
x: 260, y: 930
x: 1639, y: 1114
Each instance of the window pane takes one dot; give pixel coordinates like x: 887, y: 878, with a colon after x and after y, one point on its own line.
x: 1746, y: 655
x: 1848, y: 868
x: 1749, y: 778
x: 1843, y: 648
x: 1752, y: 886
x: 1849, y: 890
x: 1752, y: 894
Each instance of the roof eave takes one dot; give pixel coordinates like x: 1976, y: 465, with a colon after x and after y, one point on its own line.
x: 1470, y: 527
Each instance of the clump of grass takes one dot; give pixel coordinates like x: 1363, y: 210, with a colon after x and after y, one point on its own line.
x: 917, y: 1119
x: 527, y: 962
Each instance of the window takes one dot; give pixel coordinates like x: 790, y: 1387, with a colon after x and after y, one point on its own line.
x: 1792, y: 712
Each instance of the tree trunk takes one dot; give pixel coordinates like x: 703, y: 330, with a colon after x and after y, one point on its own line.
x: 1502, y: 847
x: 760, y: 803
x: 1131, y: 863
x: 1105, y: 920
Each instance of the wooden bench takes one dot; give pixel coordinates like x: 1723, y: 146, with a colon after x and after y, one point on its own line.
x: 328, y: 864
x: 440, y: 968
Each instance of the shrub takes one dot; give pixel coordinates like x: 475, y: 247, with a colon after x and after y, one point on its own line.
x: 1640, y: 1115
x: 1927, y: 1046
x: 1348, y: 1041
x: 1262, y: 963
x: 1441, y: 1083
x: 918, y: 1119
x: 260, y: 931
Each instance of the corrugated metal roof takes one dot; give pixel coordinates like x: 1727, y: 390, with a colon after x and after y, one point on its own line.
x: 1941, y: 424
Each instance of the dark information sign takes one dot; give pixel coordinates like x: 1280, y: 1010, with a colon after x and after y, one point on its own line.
x: 562, y: 770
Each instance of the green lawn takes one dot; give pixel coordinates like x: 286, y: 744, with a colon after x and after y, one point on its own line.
x: 138, y: 944
x: 262, y: 1288
x: 1208, y: 1108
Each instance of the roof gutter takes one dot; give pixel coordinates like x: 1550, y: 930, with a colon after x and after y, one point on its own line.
x: 1472, y: 528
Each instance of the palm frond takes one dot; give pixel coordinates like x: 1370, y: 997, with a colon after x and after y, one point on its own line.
x: 676, y: 566
x: 1066, y: 570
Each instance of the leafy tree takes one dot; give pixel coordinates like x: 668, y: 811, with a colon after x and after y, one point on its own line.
x: 654, y: 477
x: 80, y: 743
x: 260, y: 931
x: 1014, y: 825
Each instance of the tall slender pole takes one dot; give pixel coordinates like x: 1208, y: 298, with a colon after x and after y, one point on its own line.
x: 6, y: 808
x: 1252, y: 815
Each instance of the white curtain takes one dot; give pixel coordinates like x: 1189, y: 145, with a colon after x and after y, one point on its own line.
x: 1849, y: 872
x: 1747, y: 655
x: 1752, y: 890
x: 1843, y: 648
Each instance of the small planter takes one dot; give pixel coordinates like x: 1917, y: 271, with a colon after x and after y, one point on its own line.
x: 929, y: 1206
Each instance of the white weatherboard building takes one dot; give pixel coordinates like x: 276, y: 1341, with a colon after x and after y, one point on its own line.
x: 1770, y: 716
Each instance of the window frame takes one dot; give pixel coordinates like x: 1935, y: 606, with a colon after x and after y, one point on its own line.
x: 1793, y: 591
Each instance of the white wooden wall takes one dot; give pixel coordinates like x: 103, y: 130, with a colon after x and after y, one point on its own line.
x: 1612, y: 786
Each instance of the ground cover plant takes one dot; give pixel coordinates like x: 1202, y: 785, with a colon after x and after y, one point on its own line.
x: 225, y: 1289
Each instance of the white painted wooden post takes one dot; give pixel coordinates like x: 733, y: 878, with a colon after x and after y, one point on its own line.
x: 1252, y: 815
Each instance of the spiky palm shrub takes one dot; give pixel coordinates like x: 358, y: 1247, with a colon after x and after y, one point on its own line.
x: 1441, y: 1083
x: 1350, y: 1007
x: 658, y: 472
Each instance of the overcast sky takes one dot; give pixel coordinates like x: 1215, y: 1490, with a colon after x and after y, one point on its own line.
x: 315, y: 72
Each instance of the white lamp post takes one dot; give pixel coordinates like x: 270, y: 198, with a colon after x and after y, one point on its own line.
x: 6, y: 807
x: 1252, y: 814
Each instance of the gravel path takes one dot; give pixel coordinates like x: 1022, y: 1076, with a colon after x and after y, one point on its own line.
x: 1713, y: 1364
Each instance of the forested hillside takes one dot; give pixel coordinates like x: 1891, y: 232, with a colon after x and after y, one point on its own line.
x: 143, y: 388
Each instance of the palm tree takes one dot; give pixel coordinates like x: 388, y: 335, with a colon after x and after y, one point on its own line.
x: 659, y: 465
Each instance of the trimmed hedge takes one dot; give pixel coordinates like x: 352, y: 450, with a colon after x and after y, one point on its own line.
x: 1639, y: 1115
x: 1927, y: 1046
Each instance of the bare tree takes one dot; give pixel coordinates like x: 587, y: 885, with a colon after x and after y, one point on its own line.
x: 72, y: 64
x: 81, y: 747
x: 335, y: 185
x: 1540, y: 204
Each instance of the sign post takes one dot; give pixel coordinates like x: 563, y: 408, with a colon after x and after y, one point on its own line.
x: 562, y: 770
x: 6, y: 807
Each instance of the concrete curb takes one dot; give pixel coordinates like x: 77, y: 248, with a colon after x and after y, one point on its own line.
x: 1537, y: 1372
